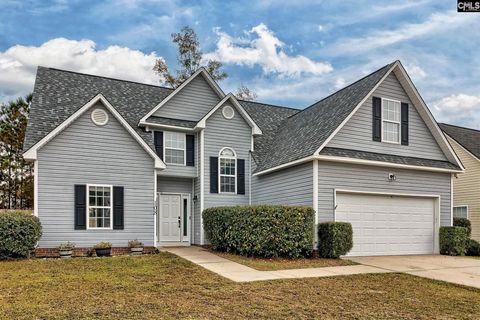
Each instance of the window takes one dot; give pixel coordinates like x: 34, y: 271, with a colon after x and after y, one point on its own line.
x: 99, y: 207
x: 174, y: 147
x: 391, y: 121
x: 460, y: 212
x: 227, y: 170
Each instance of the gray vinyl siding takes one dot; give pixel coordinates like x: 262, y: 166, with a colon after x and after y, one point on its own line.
x: 357, y: 132
x: 350, y: 177
x: 174, y: 185
x: 291, y: 186
x: 88, y: 154
x: 180, y: 170
x: 219, y: 133
x: 192, y: 103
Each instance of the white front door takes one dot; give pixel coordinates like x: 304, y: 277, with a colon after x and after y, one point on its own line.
x: 170, y: 218
x: 387, y: 224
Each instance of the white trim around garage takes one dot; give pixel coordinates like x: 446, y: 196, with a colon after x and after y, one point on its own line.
x: 435, y: 197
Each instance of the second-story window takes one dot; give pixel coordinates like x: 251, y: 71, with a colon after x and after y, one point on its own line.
x: 174, y: 147
x: 227, y: 173
x: 390, y: 121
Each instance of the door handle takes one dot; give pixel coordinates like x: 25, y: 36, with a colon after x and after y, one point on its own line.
x: 179, y: 223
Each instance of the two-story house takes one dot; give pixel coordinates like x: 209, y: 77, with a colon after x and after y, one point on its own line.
x: 466, y: 187
x: 116, y: 160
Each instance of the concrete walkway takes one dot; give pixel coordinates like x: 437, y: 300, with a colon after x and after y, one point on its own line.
x: 459, y: 270
x: 240, y: 273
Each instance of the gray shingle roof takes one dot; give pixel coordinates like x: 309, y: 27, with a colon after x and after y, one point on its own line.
x: 466, y: 137
x: 172, y: 122
x: 288, y: 134
x: 58, y: 94
x: 301, y: 134
x: 365, y: 155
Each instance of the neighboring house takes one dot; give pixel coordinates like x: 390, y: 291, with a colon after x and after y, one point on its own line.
x: 117, y: 160
x: 466, y: 187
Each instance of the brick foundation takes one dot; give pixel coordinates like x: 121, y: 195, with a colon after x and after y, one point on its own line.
x: 85, y: 252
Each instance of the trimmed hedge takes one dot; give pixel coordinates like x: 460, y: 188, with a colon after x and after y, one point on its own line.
x: 473, y: 248
x: 463, y: 222
x: 453, y: 240
x: 261, y: 230
x: 19, y: 233
x: 334, y: 239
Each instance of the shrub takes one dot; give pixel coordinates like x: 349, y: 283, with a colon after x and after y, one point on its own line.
x: 463, y: 222
x: 334, y: 239
x: 261, y: 230
x: 453, y: 240
x: 473, y: 248
x: 103, y: 245
x: 19, y: 234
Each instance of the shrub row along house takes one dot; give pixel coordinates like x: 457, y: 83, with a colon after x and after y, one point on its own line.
x: 116, y: 160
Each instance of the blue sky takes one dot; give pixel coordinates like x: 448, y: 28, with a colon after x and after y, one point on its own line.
x: 291, y: 54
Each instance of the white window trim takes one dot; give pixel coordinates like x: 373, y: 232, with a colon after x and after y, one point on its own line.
x: 223, y: 112
x: 111, y: 206
x: 226, y: 175
x: 461, y: 206
x: 184, y: 149
x: 391, y: 121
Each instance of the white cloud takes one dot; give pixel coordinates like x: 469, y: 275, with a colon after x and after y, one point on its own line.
x: 266, y: 51
x: 436, y: 23
x: 18, y: 64
x: 415, y: 71
x: 460, y: 109
x: 340, y: 83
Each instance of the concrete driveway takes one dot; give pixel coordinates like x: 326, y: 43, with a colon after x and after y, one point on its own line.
x: 459, y: 270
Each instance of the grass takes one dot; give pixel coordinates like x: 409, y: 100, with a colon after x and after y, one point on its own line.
x: 271, y: 264
x: 164, y: 286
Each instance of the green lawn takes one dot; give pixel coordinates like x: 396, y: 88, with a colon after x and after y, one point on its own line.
x: 164, y: 286
x: 270, y: 264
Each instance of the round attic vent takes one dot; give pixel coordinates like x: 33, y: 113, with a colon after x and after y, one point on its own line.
x: 228, y: 112
x: 99, y: 117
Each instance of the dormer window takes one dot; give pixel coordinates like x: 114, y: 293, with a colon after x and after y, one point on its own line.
x: 391, y: 120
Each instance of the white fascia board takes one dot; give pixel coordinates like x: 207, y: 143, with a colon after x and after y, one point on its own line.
x: 427, y: 116
x: 31, y: 154
x: 384, y: 164
x: 203, y: 122
x: 202, y: 71
x: 149, y: 125
x: 355, y: 110
x: 356, y: 161
x: 460, y: 146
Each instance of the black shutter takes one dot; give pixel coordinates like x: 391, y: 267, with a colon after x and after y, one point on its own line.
x: 240, y: 176
x: 190, y: 150
x: 118, y: 208
x: 213, y: 174
x: 158, y: 142
x: 377, y: 119
x: 80, y: 207
x: 405, y: 124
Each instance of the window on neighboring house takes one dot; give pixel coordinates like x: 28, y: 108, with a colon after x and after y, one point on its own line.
x: 460, y: 212
x: 227, y: 170
x: 174, y: 147
x: 99, y: 207
x: 391, y: 120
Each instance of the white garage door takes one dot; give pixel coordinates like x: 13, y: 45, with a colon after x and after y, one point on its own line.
x: 388, y: 225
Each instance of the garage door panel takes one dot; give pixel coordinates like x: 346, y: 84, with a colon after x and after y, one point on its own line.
x: 388, y: 225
